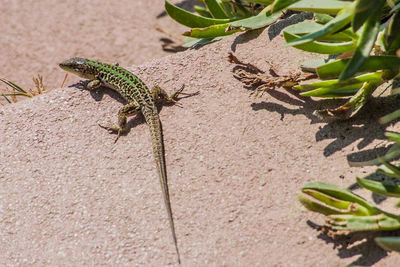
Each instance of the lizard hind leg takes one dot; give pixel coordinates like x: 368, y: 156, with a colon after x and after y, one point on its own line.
x: 130, y: 109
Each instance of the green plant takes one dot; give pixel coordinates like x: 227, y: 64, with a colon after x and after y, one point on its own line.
x: 366, y: 35
x: 346, y: 211
x: 362, y: 39
x: 16, y: 90
x: 219, y: 18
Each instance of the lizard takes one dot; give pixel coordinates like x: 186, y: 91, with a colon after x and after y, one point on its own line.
x: 140, y: 100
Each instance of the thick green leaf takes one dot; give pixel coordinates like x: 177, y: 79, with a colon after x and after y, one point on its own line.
x: 189, y: 19
x: 393, y: 153
x: 376, y: 76
x: 340, y: 21
x: 390, y: 117
x: 303, y: 28
x: 316, y: 85
x: 321, y: 47
x: 202, y: 11
x: 263, y: 19
x: 325, y: 6
x: 388, y: 243
x: 211, y: 32
x: 259, y: 21
x: 278, y: 5
x: 395, y: 8
x: 363, y: 10
x: 339, y: 193
x: 362, y: 96
x: 389, y: 170
x: 241, y: 11
x: 312, y: 65
x: 322, y: 18
x: 351, y: 107
x: 263, y: 2
x: 344, y: 207
x: 334, y: 88
x: 334, y: 91
x: 328, y: 200
x: 392, y: 36
x: 372, y: 63
x: 365, y: 43
x: 228, y: 9
x: 318, y: 207
x: 380, y: 188
x: 215, y: 9
x: 379, y: 222
x: 393, y: 136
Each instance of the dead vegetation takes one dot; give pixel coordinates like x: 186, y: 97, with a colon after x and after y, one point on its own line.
x: 261, y: 81
x: 11, y: 95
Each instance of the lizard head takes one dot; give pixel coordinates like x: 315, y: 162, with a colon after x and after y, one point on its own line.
x: 79, y: 66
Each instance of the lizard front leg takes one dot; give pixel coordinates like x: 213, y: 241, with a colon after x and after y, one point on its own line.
x: 94, y: 84
x: 159, y: 93
x: 130, y: 109
x: 89, y: 84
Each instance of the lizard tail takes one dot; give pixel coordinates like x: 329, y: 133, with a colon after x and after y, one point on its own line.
x: 154, y: 123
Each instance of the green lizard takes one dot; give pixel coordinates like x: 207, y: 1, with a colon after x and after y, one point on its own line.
x: 139, y: 99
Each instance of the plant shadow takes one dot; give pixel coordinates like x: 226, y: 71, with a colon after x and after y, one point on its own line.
x: 363, y: 128
x: 356, y: 243
x: 273, y: 30
x: 377, y: 177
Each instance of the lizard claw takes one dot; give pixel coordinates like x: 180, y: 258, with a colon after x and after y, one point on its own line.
x: 81, y: 84
x: 113, y: 129
x: 108, y: 128
x: 190, y: 94
x: 116, y: 139
x: 179, y: 92
x: 176, y: 102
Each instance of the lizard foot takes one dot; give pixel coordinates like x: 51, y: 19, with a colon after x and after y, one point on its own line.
x: 178, y: 92
x: 113, y: 129
x: 173, y: 98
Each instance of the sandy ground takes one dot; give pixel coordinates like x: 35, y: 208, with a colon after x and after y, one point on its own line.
x: 37, y: 35
x: 69, y: 196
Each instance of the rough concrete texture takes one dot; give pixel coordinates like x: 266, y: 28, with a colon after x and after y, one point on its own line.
x: 37, y: 34
x: 69, y: 196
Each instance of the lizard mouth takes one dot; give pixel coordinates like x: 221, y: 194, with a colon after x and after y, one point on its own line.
x: 70, y: 65
x: 76, y: 66
x: 70, y: 69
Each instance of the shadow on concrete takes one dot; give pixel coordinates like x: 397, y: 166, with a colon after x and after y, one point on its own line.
x: 360, y: 244
x: 133, y: 121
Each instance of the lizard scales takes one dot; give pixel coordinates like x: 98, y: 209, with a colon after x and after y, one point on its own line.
x: 139, y: 99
